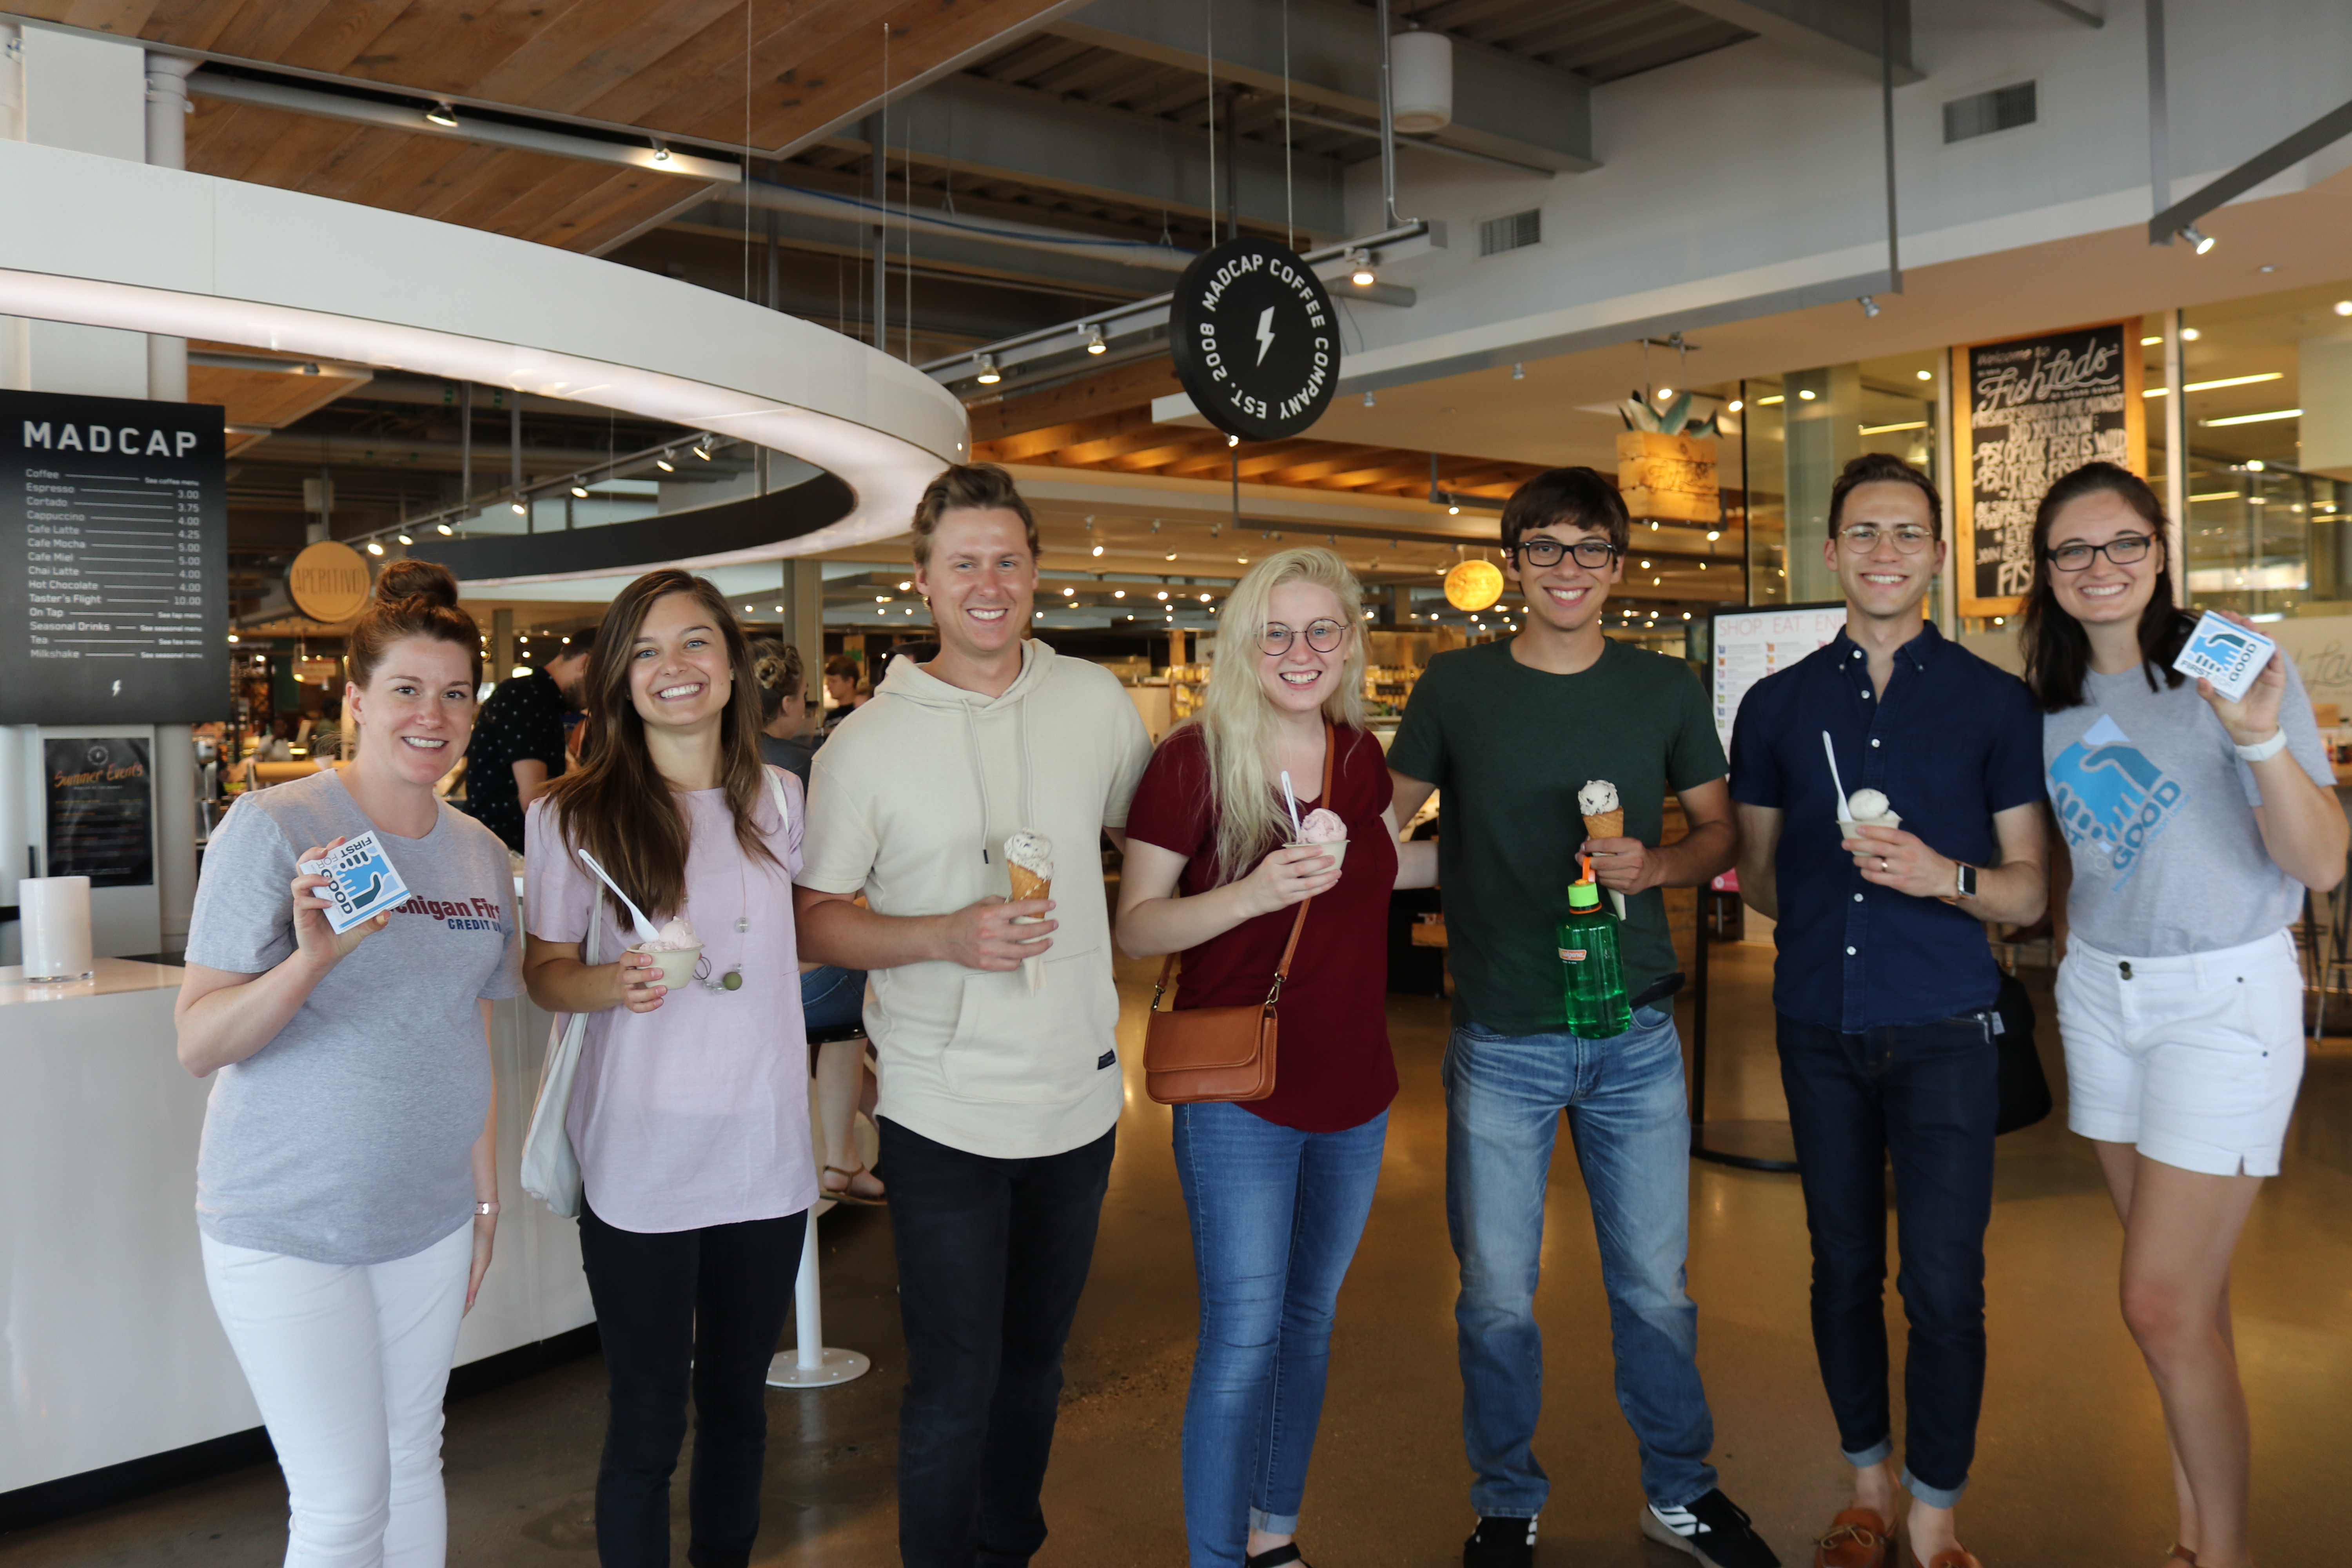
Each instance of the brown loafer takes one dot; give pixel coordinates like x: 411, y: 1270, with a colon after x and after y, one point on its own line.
x: 1856, y: 1539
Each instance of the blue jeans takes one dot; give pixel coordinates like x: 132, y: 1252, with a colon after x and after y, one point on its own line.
x: 1276, y: 1214
x: 832, y: 996
x: 1631, y: 1127
x: 1926, y: 1097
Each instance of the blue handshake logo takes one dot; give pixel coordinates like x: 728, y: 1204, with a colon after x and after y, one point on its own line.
x: 2110, y: 799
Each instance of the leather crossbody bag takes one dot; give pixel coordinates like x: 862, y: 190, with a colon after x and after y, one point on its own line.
x: 1222, y: 1053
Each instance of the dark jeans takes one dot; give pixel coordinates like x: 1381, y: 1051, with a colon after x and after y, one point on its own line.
x: 706, y: 1306
x: 993, y: 1255
x: 1927, y: 1096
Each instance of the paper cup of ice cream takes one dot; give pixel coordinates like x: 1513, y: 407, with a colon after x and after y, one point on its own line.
x: 1323, y: 830
x: 675, y: 963
x: 1867, y: 808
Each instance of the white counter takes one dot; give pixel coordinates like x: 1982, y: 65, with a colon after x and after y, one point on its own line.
x: 108, y: 1343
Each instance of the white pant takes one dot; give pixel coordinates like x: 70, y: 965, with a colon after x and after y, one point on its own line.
x: 349, y: 1363
x: 2194, y: 1060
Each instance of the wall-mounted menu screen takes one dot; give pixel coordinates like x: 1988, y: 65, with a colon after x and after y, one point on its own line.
x: 113, y: 560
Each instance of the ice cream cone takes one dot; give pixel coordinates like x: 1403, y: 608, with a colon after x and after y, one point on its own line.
x: 1605, y: 824
x: 1027, y: 884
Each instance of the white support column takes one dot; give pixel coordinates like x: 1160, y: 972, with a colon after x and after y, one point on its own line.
x: 1948, y: 597
x: 86, y: 94
x: 15, y: 352
x: 2176, y: 458
x: 167, y: 148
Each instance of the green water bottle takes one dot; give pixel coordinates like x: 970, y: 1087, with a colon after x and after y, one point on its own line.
x: 1592, y: 975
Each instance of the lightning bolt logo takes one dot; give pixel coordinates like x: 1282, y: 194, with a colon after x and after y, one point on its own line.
x: 1265, y: 332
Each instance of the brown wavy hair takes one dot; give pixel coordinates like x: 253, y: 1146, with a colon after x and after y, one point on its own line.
x: 2057, y: 650
x: 616, y: 805
x: 411, y: 599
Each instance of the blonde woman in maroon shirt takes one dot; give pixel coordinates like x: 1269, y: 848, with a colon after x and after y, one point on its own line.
x: 1278, y: 1189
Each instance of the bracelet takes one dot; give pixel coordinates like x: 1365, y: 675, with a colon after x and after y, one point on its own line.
x: 2262, y: 750
x: 486, y: 1206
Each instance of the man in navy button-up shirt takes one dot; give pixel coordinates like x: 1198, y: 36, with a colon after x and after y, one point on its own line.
x: 1885, y: 985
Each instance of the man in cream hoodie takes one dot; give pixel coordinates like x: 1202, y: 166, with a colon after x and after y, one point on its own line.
x: 1000, y: 1086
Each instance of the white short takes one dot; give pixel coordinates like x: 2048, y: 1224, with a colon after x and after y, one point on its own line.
x: 2194, y: 1060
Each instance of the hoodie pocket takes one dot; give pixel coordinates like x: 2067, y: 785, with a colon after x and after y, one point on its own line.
x: 1042, y: 1047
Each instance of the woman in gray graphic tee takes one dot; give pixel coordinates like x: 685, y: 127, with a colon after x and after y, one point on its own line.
x: 2194, y: 824
x: 347, y: 1186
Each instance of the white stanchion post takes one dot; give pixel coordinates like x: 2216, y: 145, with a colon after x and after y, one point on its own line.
x: 811, y: 1363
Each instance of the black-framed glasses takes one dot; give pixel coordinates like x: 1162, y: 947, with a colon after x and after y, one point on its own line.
x: 1592, y: 554
x: 1323, y: 637
x: 1909, y: 537
x: 2124, y: 550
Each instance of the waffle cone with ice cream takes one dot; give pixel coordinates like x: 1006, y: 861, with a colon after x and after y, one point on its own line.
x: 1603, y: 813
x: 1029, y: 862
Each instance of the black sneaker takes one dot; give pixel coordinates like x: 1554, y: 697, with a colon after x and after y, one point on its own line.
x: 1500, y: 1541
x: 1712, y: 1528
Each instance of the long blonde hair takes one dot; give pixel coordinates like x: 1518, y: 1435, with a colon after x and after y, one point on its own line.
x: 1237, y: 722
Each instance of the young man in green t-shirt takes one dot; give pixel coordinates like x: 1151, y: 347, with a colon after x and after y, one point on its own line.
x: 1510, y: 732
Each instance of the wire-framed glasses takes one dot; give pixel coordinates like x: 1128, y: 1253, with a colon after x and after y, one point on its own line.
x: 1542, y: 550
x: 2123, y: 550
x: 1322, y: 636
x: 1909, y: 537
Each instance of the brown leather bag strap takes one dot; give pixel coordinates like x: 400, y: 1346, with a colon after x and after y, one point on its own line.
x: 1298, y: 923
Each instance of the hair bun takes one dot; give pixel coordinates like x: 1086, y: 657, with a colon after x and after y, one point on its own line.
x: 428, y: 580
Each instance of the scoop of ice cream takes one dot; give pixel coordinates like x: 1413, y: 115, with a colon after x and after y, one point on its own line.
x: 1866, y: 805
x: 1322, y: 828
x: 675, y: 937
x: 1596, y: 797
x: 1033, y: 852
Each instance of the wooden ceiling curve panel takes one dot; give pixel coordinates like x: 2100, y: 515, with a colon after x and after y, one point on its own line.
x: 677, y: 68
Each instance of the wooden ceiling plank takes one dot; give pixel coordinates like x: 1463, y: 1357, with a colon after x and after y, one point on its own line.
x: 462, y: 46
x: 124, y: 19
x: 593, y: 229
x: 1127, y: 387
x: 342, y: 37
x: 612, y: 205
x: 599, y: 43
x: 261, y: 29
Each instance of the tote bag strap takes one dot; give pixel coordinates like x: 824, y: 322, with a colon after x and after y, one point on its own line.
x: 1298, y: 922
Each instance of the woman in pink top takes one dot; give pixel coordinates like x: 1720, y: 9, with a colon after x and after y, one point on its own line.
x: 690, y: 1112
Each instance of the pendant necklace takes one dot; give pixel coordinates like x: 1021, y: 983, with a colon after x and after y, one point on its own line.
x: 733, y: 979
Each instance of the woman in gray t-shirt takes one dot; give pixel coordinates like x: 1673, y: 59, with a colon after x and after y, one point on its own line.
x: 347, y: 1185
x: 2194, y: 822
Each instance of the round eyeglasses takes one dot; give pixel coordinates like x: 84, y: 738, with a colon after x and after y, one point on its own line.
x: 1592, y: 554
x: 2124, y: 549
x: 1323, y: 637
x: 1909, y: 537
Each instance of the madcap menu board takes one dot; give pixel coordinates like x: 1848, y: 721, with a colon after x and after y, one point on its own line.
x: 113, y: 560
x: 2030, y: 410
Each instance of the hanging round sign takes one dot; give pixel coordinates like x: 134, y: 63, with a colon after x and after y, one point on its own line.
x: 1254, y: 339
x: 1473, y: 586
x: 329, y: 582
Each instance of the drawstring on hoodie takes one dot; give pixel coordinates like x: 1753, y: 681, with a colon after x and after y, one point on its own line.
x: 1027, y: 763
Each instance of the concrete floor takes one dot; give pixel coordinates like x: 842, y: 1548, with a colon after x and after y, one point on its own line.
x: 2071, y: 1465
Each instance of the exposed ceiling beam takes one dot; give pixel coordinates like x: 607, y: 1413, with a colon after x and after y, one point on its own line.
x: 1842, y: 32
x: 2276, y: 159
x: 2082, y: 14
x: 985, y: 130
x: 366, y: 111
x: 1518, y: 110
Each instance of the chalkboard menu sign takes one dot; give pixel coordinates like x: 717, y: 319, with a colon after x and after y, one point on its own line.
x: 2031, y: 410
x: 113, y: 560
x: 100, y: 800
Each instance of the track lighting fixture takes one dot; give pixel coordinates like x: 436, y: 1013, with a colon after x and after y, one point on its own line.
x: 375, y: 548
x: 1369, y: 402
x: 518, y: 509
x: 1518, y: 372
x: 664, y: 463
x: 989, y: 374
x: 1095, y: 343
x: 703, y: 447
x: 1359, y: 269
x: 405, y: 539
x: 445, y: 528
x: 441, y: 114
x: 661, y: 152
x: 1233, y: 440
x: 1869, y: 306
x: 581, y: 491
x: 2200, y: 241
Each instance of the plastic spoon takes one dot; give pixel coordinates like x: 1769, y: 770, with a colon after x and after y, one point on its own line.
x: 646, y: 931
x: 1290, y: 799
x: 1834, y: 780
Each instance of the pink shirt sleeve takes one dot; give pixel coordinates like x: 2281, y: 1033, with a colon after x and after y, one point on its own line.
x: 560, y: 892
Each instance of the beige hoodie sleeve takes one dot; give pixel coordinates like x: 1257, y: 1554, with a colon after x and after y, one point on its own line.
x: 838, y: 842
x: 1129, y: 746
